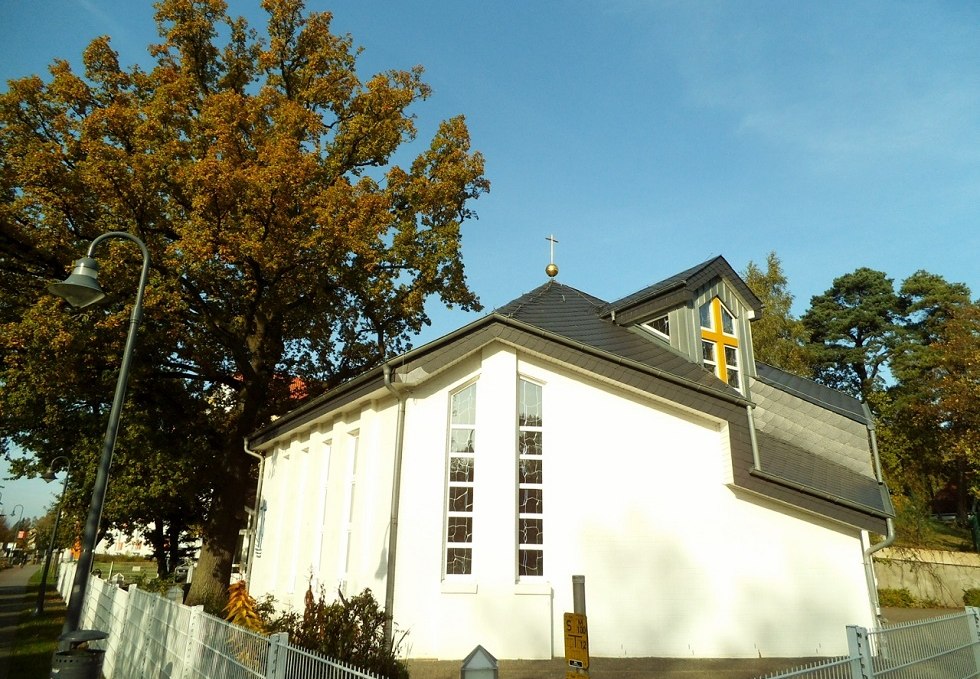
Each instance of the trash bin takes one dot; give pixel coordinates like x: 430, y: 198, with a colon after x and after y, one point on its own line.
x: 78, y: 661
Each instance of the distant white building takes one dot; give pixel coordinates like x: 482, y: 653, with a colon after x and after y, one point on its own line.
x: 118, y: 543
x: 716, y: 507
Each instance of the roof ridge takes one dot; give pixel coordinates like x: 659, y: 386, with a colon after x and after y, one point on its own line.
x: 530, y: 297
x: 540, y: 291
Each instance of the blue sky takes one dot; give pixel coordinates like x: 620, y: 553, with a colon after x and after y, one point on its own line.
x: 648, y: 136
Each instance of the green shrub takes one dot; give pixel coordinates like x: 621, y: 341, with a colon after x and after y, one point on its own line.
x: 895, y: 598
x: 971, y: 597
x: 348, y: 629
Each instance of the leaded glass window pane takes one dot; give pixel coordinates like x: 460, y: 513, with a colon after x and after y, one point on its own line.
x: 461, y: 499
x: 459, y: 561
x: 460, y: 529
x: 462, y: 441
x: 731, y: 357
x: 727, y: 322
x: 705, y: 313
x: 708, y: 351
x: 532, y: 531
x: 531, y: 500
x: 531, y: 562
x: 529, y: 442
x: 733, y: 378
x: 661, y: 325
x: 530, y: 471
x: 461, y: 469
x: 530, y: 404
x: 464, y: 406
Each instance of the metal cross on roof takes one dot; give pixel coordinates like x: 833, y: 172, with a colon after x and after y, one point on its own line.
x: 552, y: 268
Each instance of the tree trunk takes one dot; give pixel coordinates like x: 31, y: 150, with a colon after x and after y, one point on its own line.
x: 175, y: 530
x: 226, y: 518
x: 159, y: 552
x: 962, y: 493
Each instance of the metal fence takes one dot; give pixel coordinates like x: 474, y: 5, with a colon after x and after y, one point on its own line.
x: 947, y: 647
x: 156, y: 638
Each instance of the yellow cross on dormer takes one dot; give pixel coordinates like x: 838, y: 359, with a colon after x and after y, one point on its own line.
x: 719, y: 339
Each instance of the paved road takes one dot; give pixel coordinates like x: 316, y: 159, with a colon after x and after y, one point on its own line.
x: 13, y: 603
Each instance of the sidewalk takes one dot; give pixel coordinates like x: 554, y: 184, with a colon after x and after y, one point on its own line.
x: 13, y: 603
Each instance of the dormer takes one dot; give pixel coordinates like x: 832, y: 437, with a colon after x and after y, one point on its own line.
x: 704, y: 313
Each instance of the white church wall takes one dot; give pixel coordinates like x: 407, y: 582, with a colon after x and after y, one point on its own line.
x: 635, y: 499
x: 326, y: 498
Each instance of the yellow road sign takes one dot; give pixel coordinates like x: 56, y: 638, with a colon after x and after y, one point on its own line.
x: 577, y: 641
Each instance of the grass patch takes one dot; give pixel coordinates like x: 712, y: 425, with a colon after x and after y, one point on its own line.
x: 929, y: 533
x: 128, y: 566
x: 37, y: 637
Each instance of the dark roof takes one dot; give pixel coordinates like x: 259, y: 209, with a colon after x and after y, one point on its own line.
x: 564, y: 311
x: 688, y: 281
x: 782, y: 462
x: 815, y: 393
x: 576, y: 328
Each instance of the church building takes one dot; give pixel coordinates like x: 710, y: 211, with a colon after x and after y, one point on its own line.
x: 716, y: 506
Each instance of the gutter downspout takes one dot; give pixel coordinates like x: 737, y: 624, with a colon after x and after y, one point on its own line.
x: 254, y: 519
x: 396, y: 486
x: 889, y: 523
x: 755, y: 443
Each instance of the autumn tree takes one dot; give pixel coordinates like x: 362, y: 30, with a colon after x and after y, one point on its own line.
x: 288, y: 248
x: 778, y: 337
x: 853, y: 327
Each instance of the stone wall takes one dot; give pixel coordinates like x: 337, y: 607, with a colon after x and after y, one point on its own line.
x: 930, y: 575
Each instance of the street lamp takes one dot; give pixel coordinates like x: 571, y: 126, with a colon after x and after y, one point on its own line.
x: 81, y: 289
x: 49, y: 476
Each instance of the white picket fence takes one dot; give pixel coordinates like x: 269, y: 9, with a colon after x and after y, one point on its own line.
x: 153, y: 637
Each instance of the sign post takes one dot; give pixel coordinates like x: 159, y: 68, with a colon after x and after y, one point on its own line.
x: 576, y: 641
x: 577, y: 633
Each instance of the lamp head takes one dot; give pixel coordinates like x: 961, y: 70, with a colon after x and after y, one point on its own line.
x: 81, y: 288
x: 48, y: 475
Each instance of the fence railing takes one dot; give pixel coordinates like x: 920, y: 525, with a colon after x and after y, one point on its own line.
x: 154, y: 637
x: 947, y: 647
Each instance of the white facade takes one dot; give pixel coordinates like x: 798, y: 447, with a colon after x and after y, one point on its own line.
x: 325, y: 510
x: 638, y: 497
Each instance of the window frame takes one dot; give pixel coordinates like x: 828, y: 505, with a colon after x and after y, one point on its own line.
x: 716, y: 333
x: 649, y: 325
x: 530, y: 491
x: 452, y: 485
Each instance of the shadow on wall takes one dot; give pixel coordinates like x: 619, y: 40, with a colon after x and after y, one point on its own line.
x: 646, y: 594
x: 674, y: 593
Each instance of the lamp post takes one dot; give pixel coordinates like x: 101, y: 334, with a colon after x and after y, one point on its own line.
x: 81, y: 289
x: 49, y: 476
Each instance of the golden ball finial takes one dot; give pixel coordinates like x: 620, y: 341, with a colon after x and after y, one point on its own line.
x: 551, y: 270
